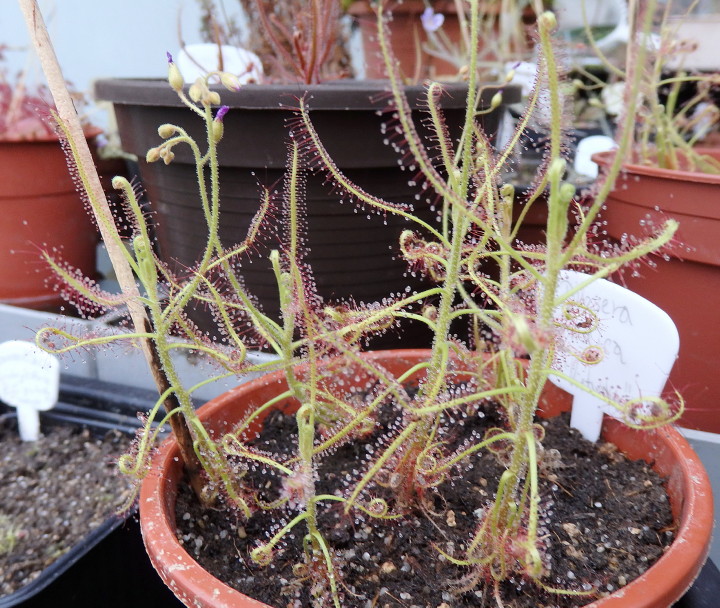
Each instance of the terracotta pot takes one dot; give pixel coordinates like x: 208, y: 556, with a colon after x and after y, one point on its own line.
x: 660, y: 586
x: 352, y: 254
x: 407, y: 36
x: 686, y: 284
x: 41, y: 210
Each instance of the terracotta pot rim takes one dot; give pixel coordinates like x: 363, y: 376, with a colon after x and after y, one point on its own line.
x: 604, y: 159
x: 661, y: 583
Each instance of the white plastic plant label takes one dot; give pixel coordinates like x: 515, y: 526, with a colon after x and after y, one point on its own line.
x: 29, y: 382
x: 614, y: 342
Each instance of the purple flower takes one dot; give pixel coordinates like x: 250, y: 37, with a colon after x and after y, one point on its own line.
x: 169, y: 56
x: 220, y: 114
x: 431, y: 21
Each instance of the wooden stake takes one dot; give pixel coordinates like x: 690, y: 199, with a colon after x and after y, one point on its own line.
x: 103, y: 215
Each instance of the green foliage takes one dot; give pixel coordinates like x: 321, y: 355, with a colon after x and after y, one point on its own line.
x: 9, y: 534
x: 485, y: 278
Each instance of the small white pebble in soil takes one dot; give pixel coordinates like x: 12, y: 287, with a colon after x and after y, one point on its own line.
x: 387, y: 568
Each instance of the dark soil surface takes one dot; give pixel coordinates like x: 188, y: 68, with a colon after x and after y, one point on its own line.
x: 52, y: 493
x: 606, y: 520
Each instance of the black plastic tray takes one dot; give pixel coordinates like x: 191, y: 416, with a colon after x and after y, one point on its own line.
x: 109, y: 567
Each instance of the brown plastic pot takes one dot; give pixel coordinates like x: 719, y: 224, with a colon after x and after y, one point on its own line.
x: 664, y: 583
x: 366, y: 267
x: 41, y: 209
x: 687, y: 283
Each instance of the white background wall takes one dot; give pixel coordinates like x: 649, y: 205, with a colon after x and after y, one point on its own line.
x: 104, y: 38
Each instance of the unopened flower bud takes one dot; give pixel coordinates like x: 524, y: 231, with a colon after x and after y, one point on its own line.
x: 174, y: 76
x: 153, y: 155
x: 217, y: 124
x: 230, y: 81
x: 496, y: 100
x: 166, y: 130
x: 220, y: 114
x: 196, y: 90
x: 168, y: 156
x: 211, y: 98
x: 217, y: 130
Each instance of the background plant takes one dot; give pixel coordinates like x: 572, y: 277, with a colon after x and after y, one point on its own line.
x: 677, y: 107
x: 505, y: 36
x: 24, y: 106
x: 504, y: 291
x: 297, y: 40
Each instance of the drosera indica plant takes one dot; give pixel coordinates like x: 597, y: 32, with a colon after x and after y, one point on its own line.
x: 504, y: 291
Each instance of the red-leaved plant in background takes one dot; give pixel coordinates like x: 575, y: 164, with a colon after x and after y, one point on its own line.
x: 25, y: 110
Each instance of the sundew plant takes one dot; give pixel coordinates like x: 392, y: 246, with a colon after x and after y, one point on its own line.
x: 504, y: 292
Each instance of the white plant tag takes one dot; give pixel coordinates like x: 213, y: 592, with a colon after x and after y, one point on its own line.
x: 30, y: 382
x: 615, y: 343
